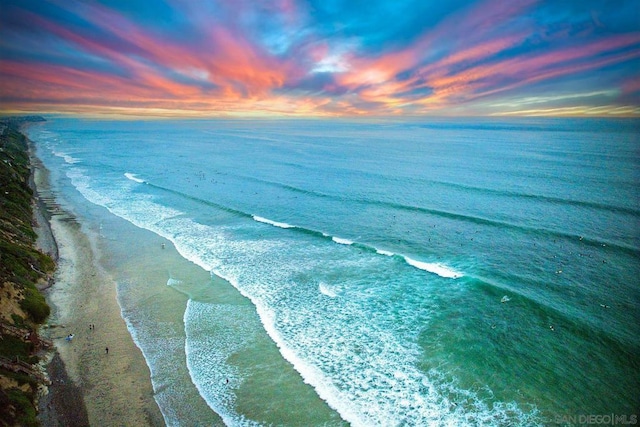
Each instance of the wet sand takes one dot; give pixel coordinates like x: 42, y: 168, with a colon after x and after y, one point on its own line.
x: 114, y: 386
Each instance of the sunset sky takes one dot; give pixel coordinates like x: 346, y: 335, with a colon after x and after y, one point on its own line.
x: 317, y: 58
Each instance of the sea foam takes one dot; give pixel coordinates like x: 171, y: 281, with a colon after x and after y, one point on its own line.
x: 326, y: 290
x: 385, y: 253
x: 435, y: 268
x: 342, y: 241
x: 379, y: 387
x: 67, y: 158
x: 363, y: 370
x: 207, y: 349
x: 133, y: 177
x: 270, y: 222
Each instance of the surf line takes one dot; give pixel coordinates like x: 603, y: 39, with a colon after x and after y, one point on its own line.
x: 133, y: 177
x: 274, y: 223
x: 431, y: 267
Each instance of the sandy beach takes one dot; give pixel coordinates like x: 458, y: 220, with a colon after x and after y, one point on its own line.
x: 90, y: 384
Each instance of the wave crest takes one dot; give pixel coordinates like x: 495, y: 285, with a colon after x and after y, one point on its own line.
x: 133, y: 177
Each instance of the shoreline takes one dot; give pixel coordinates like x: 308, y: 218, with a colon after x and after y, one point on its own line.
x: 55, y: 408
x: 88, y: 385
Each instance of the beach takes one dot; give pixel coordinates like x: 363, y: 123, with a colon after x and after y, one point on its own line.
x: 90, y: 385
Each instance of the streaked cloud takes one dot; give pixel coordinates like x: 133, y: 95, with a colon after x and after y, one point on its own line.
x: 315, y: 58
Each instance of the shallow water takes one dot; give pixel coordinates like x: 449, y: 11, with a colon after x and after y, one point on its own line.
x: 364, y: 264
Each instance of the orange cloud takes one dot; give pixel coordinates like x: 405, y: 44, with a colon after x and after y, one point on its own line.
x: 479, y: 52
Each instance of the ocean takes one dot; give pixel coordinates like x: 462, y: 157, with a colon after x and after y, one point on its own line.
x: 369, y: 273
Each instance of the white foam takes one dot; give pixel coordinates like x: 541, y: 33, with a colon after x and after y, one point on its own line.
x: 207, y: 351
x: 326, y: 290
x: 138, y: 209
x: 67, y: 158
x: 342, y: 241
x: 270, y: 222
x: 162, y: 345
x: 435, y: 268
x: 363, y: 367
x: 173, y: 282
x: 383, y: 252
x: 134, y: 177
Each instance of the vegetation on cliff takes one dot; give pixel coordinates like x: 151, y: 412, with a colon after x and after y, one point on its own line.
x: 22, y: 267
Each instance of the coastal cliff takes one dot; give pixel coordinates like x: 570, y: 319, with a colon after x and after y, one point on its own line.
x: 22, y: 269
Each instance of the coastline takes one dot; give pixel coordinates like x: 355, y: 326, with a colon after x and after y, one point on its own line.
x: 89, y: 386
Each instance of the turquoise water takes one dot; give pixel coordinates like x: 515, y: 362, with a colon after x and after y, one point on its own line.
x: 479, y: 272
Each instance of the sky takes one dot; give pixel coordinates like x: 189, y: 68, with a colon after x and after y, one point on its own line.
x: 320, y: 58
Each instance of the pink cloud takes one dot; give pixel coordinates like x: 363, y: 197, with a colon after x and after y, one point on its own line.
x: 231, y: 61
x: 631, y: 85
x: 478, y: 70
x: 473, y: 21
x: 467, y: 56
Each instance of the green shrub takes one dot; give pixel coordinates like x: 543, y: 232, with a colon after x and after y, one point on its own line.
x: 21, y: 378
x: 17, y: 260
x: 18, y: 321
x: 21, y: 266
x: 46, y: 262
x: 35, y: 305
x: 12, y: 347
x: 25, y: 411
